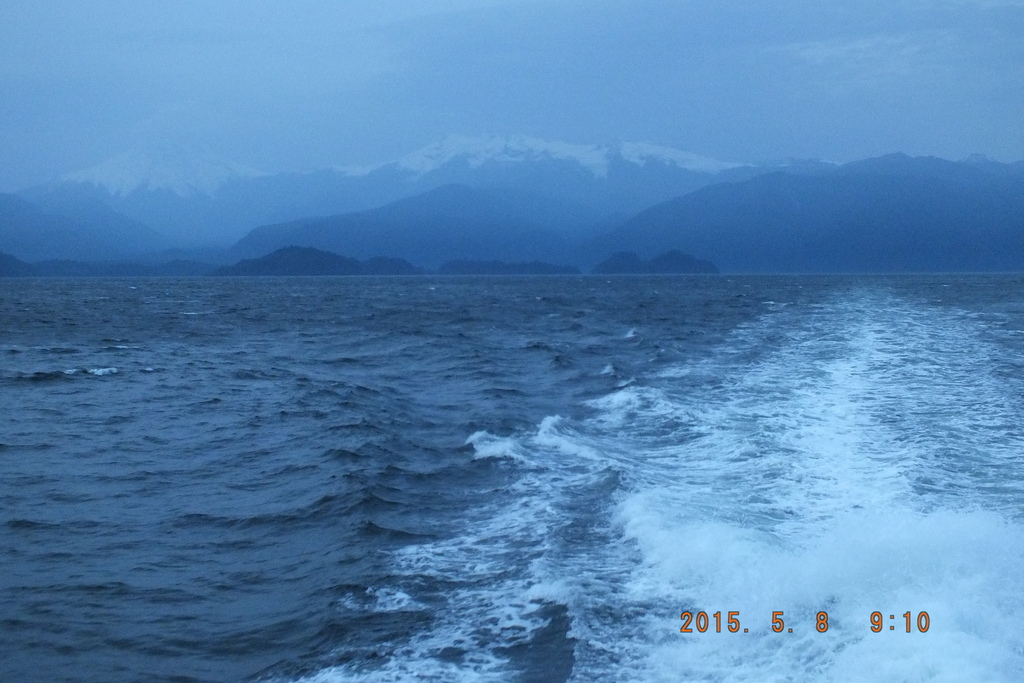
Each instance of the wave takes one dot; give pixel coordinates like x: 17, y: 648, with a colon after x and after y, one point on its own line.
x: 841, y: 458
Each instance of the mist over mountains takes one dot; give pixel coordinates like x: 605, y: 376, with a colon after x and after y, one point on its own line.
x: 527, y: 200
x: 887, y: 214
x: 195, y: 201
x: 449, y: 222
x: 65, y: 227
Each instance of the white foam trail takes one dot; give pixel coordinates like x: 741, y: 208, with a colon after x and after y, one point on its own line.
x: 793, y: 486
x: 854, y: 457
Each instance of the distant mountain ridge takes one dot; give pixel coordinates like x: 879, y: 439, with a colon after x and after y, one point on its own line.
x: 197, y: 201
x: 452, y: 222
x: 71, y: 229
x: 475, y: 151
x: 307, y: 261
x: 294, y: 260
x: 893, y: 213
x: 672, y: 262
x: 518, y: 200
x: 287, y: 261
x: 166, y: 169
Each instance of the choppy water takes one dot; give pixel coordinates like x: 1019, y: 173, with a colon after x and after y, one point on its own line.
x: 510, y: 479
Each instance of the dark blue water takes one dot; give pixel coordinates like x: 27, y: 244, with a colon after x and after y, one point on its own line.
x: 510, y: 479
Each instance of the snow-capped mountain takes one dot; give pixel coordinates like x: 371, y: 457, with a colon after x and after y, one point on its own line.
x: 642, y: 153
x: 168, y: 168
x: 476, y: 151
x: 463, y: 188
x: 194, y: 199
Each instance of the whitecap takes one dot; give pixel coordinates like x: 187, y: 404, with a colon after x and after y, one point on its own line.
x: 487, y: 445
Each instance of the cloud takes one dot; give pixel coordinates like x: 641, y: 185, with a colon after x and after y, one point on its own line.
x: 276, y: 85
x: 869, y: 62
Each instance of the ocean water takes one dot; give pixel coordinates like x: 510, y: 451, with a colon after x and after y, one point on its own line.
x: 321, y: 480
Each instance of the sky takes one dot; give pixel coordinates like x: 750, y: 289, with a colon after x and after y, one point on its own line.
x: 307, y: 84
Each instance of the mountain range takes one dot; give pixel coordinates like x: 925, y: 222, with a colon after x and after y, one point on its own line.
x: 524, y: 200
x: 446, y: 223
x: 197, y: 201
x: 61, y: 227
x: 889, y: 214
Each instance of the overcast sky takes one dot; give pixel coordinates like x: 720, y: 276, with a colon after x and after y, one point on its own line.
x: 298, y: 85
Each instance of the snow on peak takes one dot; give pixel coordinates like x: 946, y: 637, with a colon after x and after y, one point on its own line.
x: 181, y: 173
x: 641, y: 152
x: 478, y: 150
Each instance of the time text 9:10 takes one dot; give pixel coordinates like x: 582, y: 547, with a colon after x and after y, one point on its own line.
x: 701, y: 622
